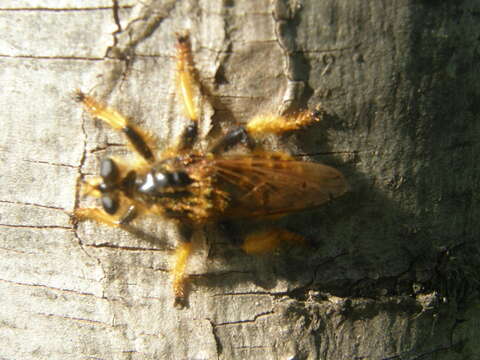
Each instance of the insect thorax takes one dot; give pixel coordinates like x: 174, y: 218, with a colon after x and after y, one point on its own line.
x: 181, y: 189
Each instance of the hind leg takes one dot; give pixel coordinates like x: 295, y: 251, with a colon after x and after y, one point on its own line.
x: 278, y: 124
x: 182, y: 253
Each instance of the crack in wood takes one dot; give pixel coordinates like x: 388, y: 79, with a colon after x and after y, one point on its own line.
x: 150, y: 23
x: 55, y: 289
x: 53, y: 57
x: 77, y: 195
x: 88, y: 321
x: 250, y: 293
x: 219, y: 273
x: 415, y: 355
x: 50, y: 163
x: 38, y: 227
x: 116, y: 15
x: 119, y: 247
x: 285, y: 17
x: 247, y: 321
x: 14, y: 250
x: 59, y: 9
x: 21, y: 203
x: 216, y: 337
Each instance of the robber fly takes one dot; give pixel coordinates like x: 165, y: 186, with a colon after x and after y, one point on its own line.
x: 194, y: 187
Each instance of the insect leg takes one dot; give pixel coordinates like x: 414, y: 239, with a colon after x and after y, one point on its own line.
x: 97, y: 215
x: 116, y: 212
x: 233, y: 137
x: 103, y: 217
x: 277, y: 124
x: 186, y: 86
x: 268, y: 240
x: 263, y: 124
x: 182, y: 253
x: 128, y: 215
x: 188, y: 136
x: 138, y: 139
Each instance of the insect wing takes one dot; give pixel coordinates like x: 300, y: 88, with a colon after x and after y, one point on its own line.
x: 269, y: 186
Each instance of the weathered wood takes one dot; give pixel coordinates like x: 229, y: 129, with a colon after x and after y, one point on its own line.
x: 393, y: 274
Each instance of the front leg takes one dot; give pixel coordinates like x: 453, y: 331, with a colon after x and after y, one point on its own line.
x: 95, y: 214
x: 187, y: 87
x: 118, y: 210
x: 139, y: 140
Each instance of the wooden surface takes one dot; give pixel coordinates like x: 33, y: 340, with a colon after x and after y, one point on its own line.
x: 393, y: 274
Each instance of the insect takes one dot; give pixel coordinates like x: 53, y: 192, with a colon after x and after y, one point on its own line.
x: 194, y: 187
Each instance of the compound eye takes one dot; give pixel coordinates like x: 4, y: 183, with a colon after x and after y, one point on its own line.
x: 108, y: 170
x: 110, y: 204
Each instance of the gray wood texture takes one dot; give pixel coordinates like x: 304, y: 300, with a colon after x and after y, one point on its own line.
x: 394, y: 269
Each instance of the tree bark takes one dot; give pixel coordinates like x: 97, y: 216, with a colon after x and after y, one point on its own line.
x: 393, y: 268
